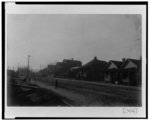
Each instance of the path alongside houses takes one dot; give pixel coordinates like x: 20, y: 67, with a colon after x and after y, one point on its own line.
x: 85, y: 93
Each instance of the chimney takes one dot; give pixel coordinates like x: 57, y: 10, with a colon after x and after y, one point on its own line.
x: 95, y: 58
x: 123, y: 60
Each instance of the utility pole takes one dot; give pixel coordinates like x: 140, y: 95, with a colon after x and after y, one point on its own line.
x: 18, y: 69
x: 28, y: 66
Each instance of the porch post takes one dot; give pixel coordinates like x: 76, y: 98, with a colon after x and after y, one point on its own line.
x: 128, y: 77
x: 137, y: 81
x: 117, y: 76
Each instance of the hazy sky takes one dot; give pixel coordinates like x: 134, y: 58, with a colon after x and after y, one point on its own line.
x: 49, y: 38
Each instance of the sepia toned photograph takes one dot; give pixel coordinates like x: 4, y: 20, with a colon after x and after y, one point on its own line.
x: 74, y: 60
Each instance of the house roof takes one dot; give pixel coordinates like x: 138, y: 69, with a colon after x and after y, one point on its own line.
x: 75, y: 68
x: 117, y: 64
x: 136, y: 62
x: 95, y: 62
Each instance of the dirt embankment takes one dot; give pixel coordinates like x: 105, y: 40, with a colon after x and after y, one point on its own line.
x: 21, y: 96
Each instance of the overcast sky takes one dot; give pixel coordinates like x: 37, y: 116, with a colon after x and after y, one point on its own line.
x: 49, y: 38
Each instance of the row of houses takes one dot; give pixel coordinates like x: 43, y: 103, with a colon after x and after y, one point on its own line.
x: 60, y: 69
x: 127, y: 71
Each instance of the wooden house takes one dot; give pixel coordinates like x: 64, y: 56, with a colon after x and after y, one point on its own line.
x: 131, y: 72
x: 64, y: 67
x: 112, y: 72
x: 94, y: 70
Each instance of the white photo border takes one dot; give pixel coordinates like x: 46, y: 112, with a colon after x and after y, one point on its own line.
x: 79, y: 112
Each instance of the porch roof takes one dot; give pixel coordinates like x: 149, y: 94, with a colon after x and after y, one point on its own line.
x: 130, y: 64
x: 113, y: 65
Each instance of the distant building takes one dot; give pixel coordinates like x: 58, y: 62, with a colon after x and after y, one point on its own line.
x: 65, y: 66
x: 76, y: 72
x: 11, y: 73
x: 72, y: 62
x: 51, y: 70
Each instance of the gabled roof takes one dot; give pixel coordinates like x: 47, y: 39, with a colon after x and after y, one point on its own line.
x: 95, y: 62
x: 130, y: 65
x: 117, y: 63
x: 136, y: 62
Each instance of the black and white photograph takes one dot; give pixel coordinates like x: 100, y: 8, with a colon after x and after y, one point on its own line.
x: 75, y: 60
